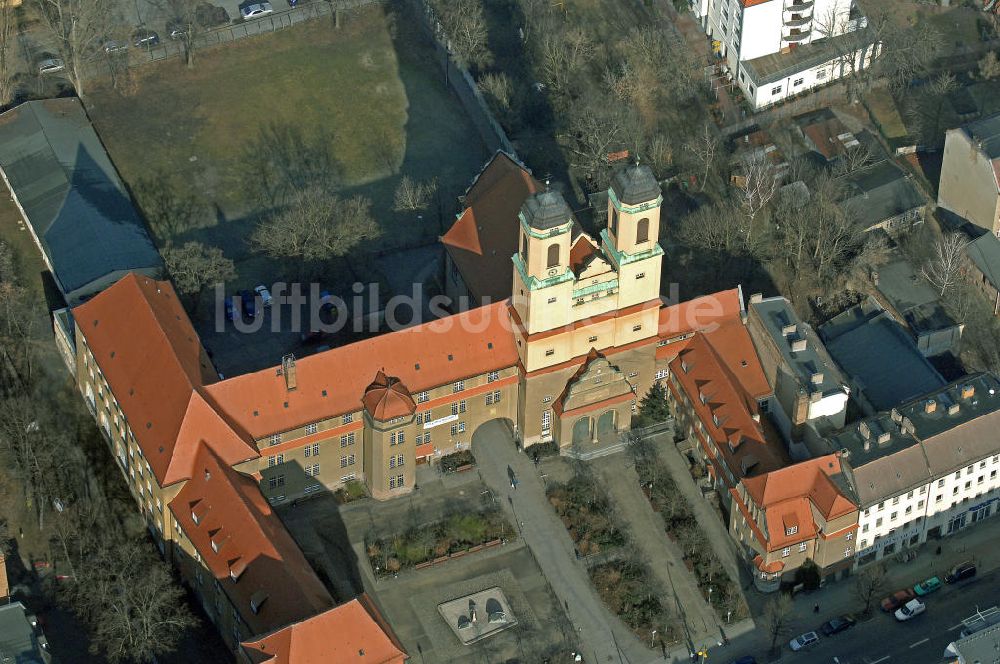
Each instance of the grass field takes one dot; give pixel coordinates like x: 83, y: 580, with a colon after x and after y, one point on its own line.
x: 885, y: 111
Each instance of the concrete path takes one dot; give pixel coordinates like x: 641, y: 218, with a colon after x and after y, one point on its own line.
x: 602, y: 637
x: 708, y: 518
x: 647, y: 532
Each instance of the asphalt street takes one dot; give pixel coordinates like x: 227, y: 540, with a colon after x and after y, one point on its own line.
x: 922, y: 640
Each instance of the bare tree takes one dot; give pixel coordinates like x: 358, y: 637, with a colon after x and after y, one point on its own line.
x: 713, y: 227
x: 596, y: 129
x: 703, y: 147
x: 562, y: 56
x: 8, y: 46
x: 186, y: 13
x: 853, y: 159
x: 498, y: 89
x: 194, y: 267
x: 76, y: 28
x: 869, y: 584
x: 317, y: 225
x: 412, y: 195
x: 945, y: 266
x: 989, y: 66
x: 465, y: 25
x: 777, y: 619
x: 758, y: 185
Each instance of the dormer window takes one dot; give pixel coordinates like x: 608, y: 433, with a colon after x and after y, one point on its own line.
x: 257, y: 600
x: 791, y: 530
x: 215, y: 546
x: 194, y: 517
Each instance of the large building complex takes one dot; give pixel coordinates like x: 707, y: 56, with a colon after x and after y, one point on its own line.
x: 776, y: 49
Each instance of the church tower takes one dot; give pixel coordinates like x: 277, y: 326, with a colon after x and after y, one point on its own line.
x: 631, y: 238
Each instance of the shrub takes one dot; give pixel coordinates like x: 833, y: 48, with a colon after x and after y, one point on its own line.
x: 542, y: 450
x: 452, y: 462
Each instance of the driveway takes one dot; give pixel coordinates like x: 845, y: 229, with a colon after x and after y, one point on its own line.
x: 602, y: 636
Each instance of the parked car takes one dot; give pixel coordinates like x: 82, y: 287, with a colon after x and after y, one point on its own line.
x: 912, y: 608
x: 292, y: 3
x: 256, y: 10
x: 249, y: 302
x: 803, y: 641
x: 897, y: 599
x: 230, y: 308
x: 927, y: 586
x: 837, y: 625
x: 143, y: 38
x: 960, y: 572
x: 50, y: 66
x: 265, y: 295
x: 176, y: 28
x: 115, y: 46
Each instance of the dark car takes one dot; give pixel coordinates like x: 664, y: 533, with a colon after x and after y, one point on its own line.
x: 837, y: 625
x: 897, y: 599
x: 144, y: 38
x: 230, y: 309
x: 249, y: 301
x: 960, y: 572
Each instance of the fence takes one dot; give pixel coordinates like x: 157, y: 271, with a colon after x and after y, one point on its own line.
x: 459, y: 79
x: 240, y: 29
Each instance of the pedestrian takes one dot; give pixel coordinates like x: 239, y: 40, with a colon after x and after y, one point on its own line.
x: 816, y: 609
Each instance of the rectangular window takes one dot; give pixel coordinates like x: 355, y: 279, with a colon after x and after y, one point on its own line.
x: 661, y: 374
x: 636, y: 328
x: 552, y: 300
x: 785, y: 552
x: 821, y: 74
x: 776, y: 90
x: 312, y: 450
x: 592, y: 340
x: 274, y: 439
x: 641, y: 275
x: 313, y: 470
x: 422, y: 397
x: 803, y: 546
x: 312, y: 428
x: 400, y: 437
x: 347, y: 439
x: 492, y: 376
x: 546, y: 422
x: 940, y: 483
x: 550, y: 352
x: 798, y: 81
x: 347, y: 419
x: 276, y: 481
x: 458, y: 386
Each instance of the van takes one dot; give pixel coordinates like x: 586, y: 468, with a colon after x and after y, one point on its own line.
x: 966, y: 570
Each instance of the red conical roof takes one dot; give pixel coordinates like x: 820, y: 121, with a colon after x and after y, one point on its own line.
x: 387, y: 398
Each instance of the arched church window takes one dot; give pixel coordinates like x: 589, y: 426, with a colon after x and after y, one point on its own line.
x: 614, y: 222
x: 553, y: 255
x: 524, y: 247
x: 642, y: 230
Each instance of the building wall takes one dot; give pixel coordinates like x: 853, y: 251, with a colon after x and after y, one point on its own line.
x: 968, y: 185
x: 942, y: 506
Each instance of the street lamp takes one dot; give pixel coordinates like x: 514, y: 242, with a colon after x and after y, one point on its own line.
x: 652, y: 638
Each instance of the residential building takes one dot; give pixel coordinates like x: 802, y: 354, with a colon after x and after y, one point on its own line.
x: 926, y: 469
x: 825, y: 134
x: 977, y: 648
x: 793, y: 514
x: 21, y: 637
x: 970, y: 173
x: 882, y: 197
x: 479, y: 245
x: 880, y: 359
x: 982, y: 267
x: 807, y: 384
x: 910, y: 299
x: 71, y: 198
x: 776, y: 49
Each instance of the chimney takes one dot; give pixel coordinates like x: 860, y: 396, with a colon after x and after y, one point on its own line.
x: 953, y: 409
x: 968, y: 391
x: 865, y: 430
x: 868, y: 445
x: 288, y: 370
x: 756, y: 298
x: 930, y: 406
x: 798, y: 345
x: 788, y: 330
x: 756, y: 417
x: 816, y: 378
x: 883, y: 438
x: 907, y: 425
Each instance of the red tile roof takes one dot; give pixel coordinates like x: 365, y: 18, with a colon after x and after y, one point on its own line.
x: 701, y: 313
x: 387, y: 398
x: 154, y: 363
x: 333, y: 382
x: 788, y: 496
x: 352, y: 633
x: 484, y: 238
x: 249, y: 541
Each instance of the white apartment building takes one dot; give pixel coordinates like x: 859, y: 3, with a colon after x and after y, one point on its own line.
x: 926, y: 470
x: 775, y: 49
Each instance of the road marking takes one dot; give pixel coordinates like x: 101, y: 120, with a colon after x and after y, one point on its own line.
x: 921, y: 641
x: 880, y: 659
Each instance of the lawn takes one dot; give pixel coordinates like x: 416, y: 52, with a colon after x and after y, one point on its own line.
x: 884, y: 109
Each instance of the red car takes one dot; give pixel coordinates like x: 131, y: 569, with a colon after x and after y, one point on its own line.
x: 897, y: 599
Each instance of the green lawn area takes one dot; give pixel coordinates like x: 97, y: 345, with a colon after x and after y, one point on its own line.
x: 885, y: 111
x: 193, y: 127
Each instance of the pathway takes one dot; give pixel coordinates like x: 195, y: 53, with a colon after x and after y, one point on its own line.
x: 647, y: 532
x: 602, y: 636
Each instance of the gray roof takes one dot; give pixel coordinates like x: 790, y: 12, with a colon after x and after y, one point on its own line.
x: 635, y: 184
x: 777, y: 66
x: 71, y: 194
x: 884, y: 461
x: 984, y: 251
x: 986, y: 132
x: 18, y: 642
x: 880, y: 192
x: 546, y: 210
x: 983, y: 647
x: 882, y: 360
x: 811, y: 358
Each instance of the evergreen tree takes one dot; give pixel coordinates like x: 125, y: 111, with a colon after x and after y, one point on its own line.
x: 653, y: 408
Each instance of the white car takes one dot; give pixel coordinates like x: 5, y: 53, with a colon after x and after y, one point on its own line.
x: 256, y: 10
x: 803, y: 641
x: 51, y: 66
x: 912, y: 608
x: 265, y: 295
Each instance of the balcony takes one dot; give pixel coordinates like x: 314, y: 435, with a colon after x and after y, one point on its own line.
x: 798, y: 22
x: 799, y: 6
x: 796, y: 37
